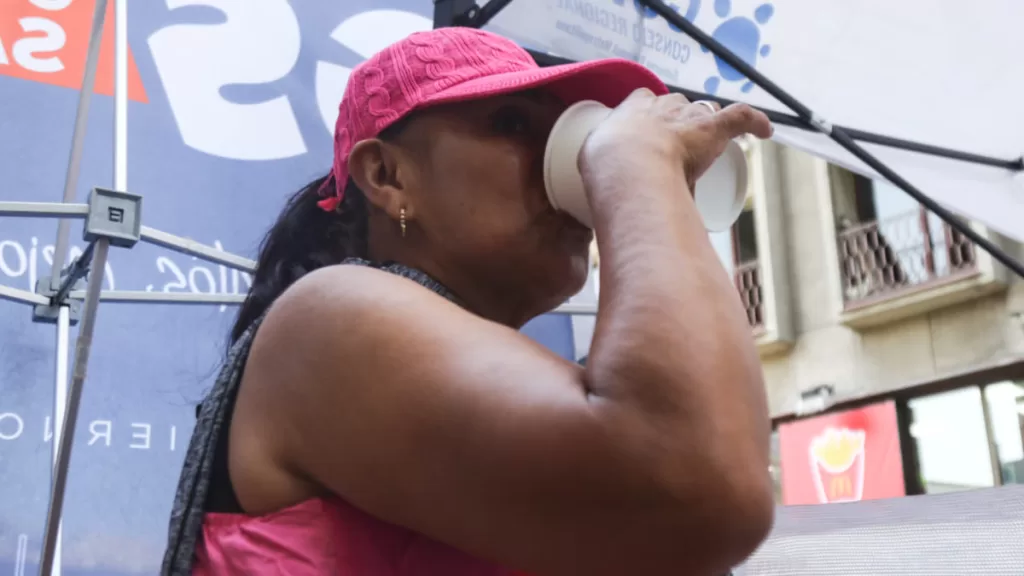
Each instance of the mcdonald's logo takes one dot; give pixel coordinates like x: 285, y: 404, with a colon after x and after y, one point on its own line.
x: 840, y: 488
x: 837, y: 464
x: 842, y: 457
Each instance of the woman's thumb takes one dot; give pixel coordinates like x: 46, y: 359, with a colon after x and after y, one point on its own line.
x: 738, y: 119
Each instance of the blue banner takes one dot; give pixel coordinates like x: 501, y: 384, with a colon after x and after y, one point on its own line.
x: 231, y: 110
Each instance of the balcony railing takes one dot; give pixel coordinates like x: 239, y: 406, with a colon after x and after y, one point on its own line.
x: 747, y: 277
x: 909, y: 252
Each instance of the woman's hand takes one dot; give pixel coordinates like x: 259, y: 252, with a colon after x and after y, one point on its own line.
x: 646, y: 129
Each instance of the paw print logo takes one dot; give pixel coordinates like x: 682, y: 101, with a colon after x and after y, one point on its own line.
x: 741, y: 35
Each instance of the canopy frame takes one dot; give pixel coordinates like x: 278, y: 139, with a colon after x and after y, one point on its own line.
x: 468, y: 14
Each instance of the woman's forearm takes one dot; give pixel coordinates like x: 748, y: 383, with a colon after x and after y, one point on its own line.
x: 672, y: 349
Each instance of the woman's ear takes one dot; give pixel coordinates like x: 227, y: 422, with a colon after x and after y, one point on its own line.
x: 382, y: 172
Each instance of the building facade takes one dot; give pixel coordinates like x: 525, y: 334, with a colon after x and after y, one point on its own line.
x: 866, y: 308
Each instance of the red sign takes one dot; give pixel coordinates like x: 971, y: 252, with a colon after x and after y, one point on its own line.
x: 47, y: 40
x: 842, y: 457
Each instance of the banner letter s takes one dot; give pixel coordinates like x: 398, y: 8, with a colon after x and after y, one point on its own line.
x: 252, y: 46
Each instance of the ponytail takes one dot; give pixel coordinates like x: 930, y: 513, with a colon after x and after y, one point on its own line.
x: 304, y: 238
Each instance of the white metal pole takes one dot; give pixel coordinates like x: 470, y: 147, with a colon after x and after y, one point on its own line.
x: 60, y: 402
x: 120, y: 95
x: 147, y: 234
x: 21, y: 555
x: 44, y: 210
x: 22, y: 296
x: 193, y: 248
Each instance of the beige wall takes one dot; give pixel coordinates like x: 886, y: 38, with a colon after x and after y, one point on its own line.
x: 984, y: 329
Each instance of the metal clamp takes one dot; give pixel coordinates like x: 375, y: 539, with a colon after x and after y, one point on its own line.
x: 49, y: 313
x: 821, y: 124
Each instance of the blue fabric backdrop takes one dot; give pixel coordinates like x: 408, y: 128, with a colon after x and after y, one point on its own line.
x: 229, y: 114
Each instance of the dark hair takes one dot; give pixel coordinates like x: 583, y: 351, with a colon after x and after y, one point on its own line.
x: 306, y: 237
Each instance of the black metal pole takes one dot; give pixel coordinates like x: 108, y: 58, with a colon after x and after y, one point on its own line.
x: 838, y: 134
x: 454, y: 13
x: 466, y: 12
x: 75, y: 272
x: 1015, y: 165
x: 489, y: 11
x: 795, y: 121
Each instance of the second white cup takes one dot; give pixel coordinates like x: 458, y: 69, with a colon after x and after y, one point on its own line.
x: 719, y: 195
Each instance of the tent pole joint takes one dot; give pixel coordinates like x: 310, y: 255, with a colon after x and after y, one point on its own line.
x: 49, y: 313
x: 111, y: 216
x: 821, y: 124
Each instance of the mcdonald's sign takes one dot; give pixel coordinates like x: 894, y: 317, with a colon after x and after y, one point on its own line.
x: 842, y: 457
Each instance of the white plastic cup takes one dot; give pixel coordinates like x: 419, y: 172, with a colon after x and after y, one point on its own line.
x: 720, y: 192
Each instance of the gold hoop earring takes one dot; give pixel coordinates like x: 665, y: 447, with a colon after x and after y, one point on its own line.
x: 401, y: 220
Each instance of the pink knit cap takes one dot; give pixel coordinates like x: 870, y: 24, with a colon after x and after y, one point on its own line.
x: 456, y: 64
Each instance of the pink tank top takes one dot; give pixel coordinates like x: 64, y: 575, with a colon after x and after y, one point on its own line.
x: 325, y: 537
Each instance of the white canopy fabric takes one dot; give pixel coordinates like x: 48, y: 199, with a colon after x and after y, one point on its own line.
x: 942, y: 73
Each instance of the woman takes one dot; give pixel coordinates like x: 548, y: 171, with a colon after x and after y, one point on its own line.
x: 387, y: 418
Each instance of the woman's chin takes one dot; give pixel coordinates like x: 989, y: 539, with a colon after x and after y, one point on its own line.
x: 573, y: 275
